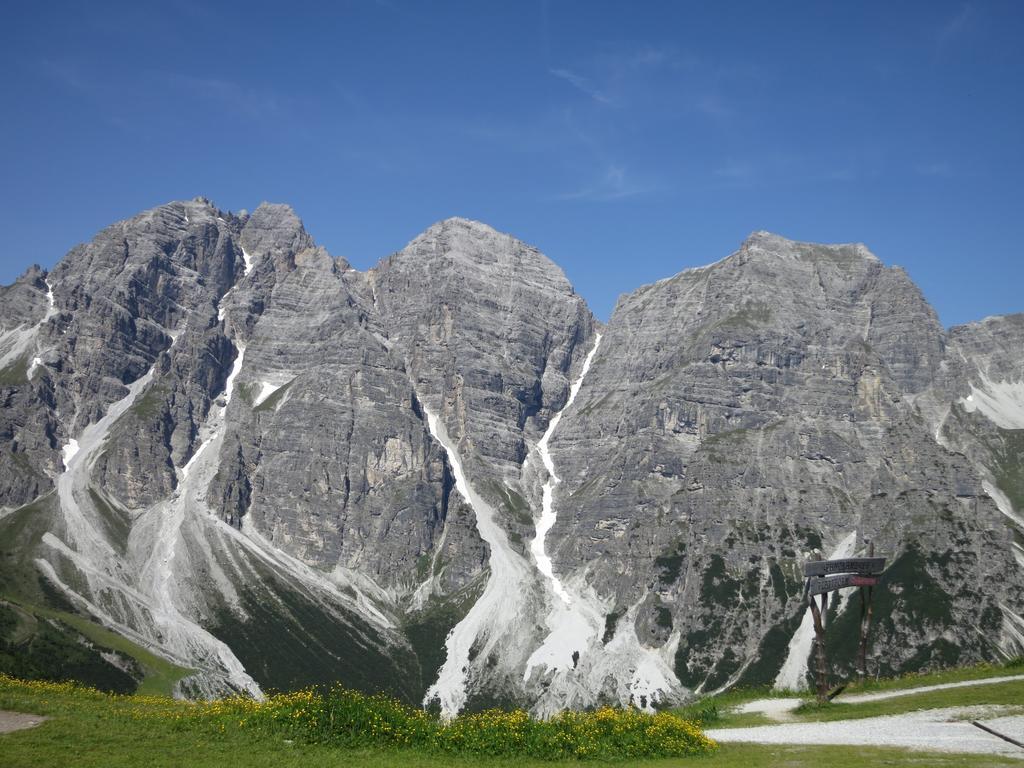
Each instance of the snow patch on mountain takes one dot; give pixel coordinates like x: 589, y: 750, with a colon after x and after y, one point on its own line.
x: 68, y: 451
x: 573, y: 668
x: 266, y: 390
x: 572, y: 663
x: 229, y: 383
x: 496, y: 612
x: 548, y: 514
x: 160, y: 530
x: 1001, y: 401
x: 23, y: 340
x: 51, y: 302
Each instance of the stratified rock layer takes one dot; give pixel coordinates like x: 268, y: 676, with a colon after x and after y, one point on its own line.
x: 276, y: 470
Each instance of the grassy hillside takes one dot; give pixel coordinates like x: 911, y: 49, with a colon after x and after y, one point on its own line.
x: 90, y: 729
x: 40, y: 643
x: 721, y: 711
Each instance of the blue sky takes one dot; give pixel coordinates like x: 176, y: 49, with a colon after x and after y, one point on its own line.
x: 627, y: 141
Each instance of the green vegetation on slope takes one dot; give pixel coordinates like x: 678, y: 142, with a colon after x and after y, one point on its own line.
x: 15, y: 374
x: 288, y: 639
x: 1009, y: 469
x: 49, y: 650
x: 428, y: 629
x: 21, y: 532
x: 63, y: 643
x: 272, y: 402
x: 127, y: 731
x: 47, y: 644
x: 352, y: 720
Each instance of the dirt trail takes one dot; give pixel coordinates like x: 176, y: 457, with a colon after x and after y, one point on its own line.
x: 17, y: 721
x: 939, y: 730
x: 780, y: 709
x: 933, y: 730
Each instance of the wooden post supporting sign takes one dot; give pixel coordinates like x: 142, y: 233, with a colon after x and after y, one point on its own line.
x: 819, y: 640
x: 865, y: 622
x: 824, y: 576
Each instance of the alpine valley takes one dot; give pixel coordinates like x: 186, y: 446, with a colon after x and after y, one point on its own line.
x: 443, y: 478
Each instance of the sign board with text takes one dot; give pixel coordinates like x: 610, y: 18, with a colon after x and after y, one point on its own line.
x: 866, y: 566
x: 816, y: 585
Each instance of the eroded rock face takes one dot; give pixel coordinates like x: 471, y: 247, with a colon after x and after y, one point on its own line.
x: 739, y: 416
x: 277, y: 470
x: 976, y: 407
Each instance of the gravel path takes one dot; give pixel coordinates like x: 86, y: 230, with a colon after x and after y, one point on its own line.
x: 779, y: 709
x: 939, y: 730
x: 860, y: 697
x: 17, y: 721
x: 935, y: 730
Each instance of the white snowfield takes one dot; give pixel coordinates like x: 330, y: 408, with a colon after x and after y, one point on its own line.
x: 22, y: 340
x: 497, y: 611
x: 548, y: 514
x: 266, y: 390
x: 1001, y: 401
x: 937, y: 730
x: 146, y: 613
x: 572, y: 660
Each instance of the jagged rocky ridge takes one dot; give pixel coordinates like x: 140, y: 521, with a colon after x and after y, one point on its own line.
x: 442, y: 478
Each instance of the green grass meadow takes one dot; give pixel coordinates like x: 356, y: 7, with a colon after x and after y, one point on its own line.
x: 88, y: 728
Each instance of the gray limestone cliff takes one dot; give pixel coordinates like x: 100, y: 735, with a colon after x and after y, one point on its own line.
x: 738, y: 417
x: 443, y: 478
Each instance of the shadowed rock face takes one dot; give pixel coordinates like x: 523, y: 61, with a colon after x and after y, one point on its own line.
x: 739, y: 415
x: 273, y: 479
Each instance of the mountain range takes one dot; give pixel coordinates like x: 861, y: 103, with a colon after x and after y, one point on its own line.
x: 443, y: 478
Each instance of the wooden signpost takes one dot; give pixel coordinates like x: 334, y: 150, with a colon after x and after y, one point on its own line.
x: 816, y: 585
x: 862, y: 565
x: 825, y: 576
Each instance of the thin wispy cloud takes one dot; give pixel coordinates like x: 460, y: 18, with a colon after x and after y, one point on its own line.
x: 935, y: 169
x: 582, y: 84
x: 735, y: 171
x: 615, y: 184
x: 66, y: 73
x: 713, y: 105
x: 625, y: 75
x: 846, y: 173
x: 626, y: 90
x: 227, y: 94
x: 780, y: 169
x: 955, y: 27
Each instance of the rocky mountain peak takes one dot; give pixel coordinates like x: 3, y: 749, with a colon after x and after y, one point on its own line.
x: 34, y: 275
x: 771, y: 245
x: 274, y: 229
x: 459, y: 244
x: 24, y: 301
x: 442, y: 477
x: 319, y: 258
